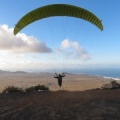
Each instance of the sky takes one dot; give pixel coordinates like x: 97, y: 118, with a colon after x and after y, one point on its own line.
x: 59, y: 42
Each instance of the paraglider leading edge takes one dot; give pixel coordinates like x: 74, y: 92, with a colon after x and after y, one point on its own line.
x: 57, y: 10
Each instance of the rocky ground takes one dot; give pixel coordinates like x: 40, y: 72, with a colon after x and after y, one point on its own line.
x: 95, y: 104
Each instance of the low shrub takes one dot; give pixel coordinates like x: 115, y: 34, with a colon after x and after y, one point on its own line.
x: 12, y: 89
x: 36, y: 88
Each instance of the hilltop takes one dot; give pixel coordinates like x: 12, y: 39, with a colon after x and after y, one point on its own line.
x: 93, y: 104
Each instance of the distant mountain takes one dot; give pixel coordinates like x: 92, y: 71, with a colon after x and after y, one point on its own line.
x: 23, y: 72
x: 2, y: 72
x: 20, y: 72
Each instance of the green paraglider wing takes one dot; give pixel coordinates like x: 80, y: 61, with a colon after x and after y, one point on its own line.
x: 57, y: 10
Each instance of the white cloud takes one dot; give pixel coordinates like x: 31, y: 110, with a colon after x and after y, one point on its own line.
x: 65, y: 43
x: 69, y: 53
x: 21, y: 42
x: 72, y: 50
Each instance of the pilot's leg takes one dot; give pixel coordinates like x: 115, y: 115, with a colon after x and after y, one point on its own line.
x: 60, y: 83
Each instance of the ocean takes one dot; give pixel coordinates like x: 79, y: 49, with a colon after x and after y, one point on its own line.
x: 113, y: 73
x: 110, y: 73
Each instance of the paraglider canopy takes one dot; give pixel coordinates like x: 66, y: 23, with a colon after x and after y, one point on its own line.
x: 57, y: 10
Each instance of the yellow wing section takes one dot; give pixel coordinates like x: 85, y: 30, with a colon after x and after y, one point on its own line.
x: 57, y: 10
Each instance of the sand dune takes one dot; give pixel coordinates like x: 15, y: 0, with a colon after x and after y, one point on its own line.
x: 71, y: 82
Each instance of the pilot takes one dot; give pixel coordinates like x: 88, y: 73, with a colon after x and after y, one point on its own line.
x: 59, y: 77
